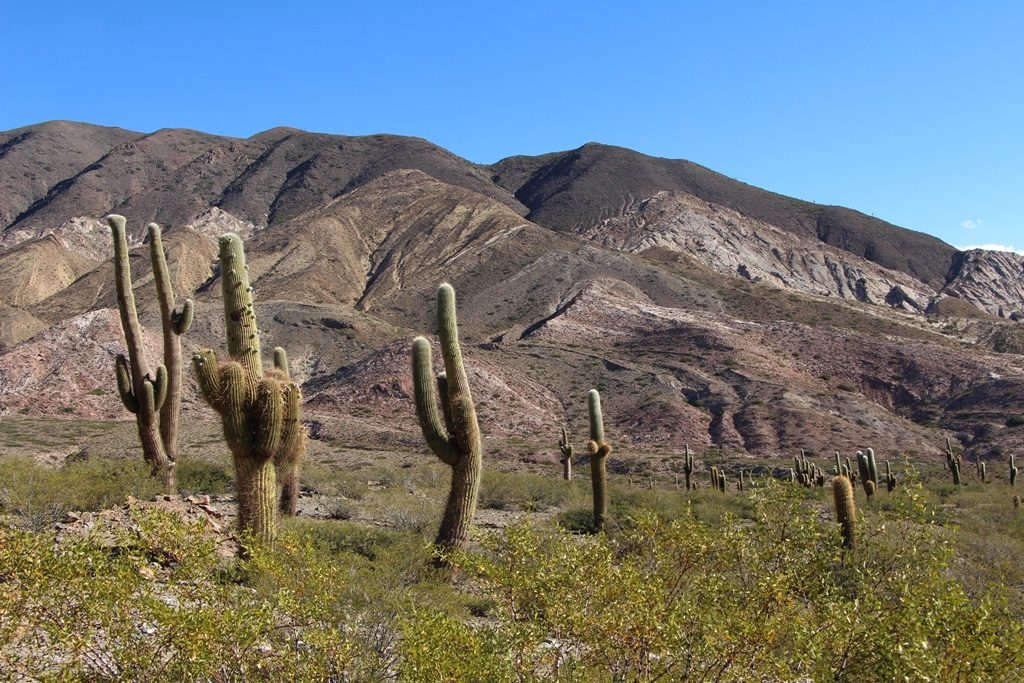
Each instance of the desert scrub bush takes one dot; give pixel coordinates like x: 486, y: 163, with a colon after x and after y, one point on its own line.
x: 521, y: 491
x: 161, y: 604
x: 771, y: 598
x: 39, y: 496
x: 196, y: 476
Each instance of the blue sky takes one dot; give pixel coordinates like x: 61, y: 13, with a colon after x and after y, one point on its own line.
x: 910, y: 111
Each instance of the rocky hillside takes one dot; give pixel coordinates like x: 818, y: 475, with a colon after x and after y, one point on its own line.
x: 709, y: 312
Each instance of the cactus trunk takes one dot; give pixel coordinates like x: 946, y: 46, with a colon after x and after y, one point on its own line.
x: 257, y: 498
x: 599, y: 451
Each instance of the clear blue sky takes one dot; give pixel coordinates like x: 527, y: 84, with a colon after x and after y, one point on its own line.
x: 911, y: 111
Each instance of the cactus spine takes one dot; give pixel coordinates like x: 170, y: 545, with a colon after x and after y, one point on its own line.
x: 846, y: 510
x: 452, y: 433
x: 567, y: 452
x: 259, y: 413
x: 599, y: 450
x: 154, y: 397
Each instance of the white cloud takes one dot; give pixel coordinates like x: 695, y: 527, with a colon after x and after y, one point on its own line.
x: 993, y: 247
x: 971, y: 224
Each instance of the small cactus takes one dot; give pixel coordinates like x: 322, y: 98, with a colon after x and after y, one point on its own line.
x: 983, y: 472
x: 846, y: 510
x: 1016, y: 502
x: 599, y: 450
x: 567, y: 452
x: 452, y: 433
x: 1013, y: 472
x: 954, y: 468
x: 721, y: 481
x: 688, y: 466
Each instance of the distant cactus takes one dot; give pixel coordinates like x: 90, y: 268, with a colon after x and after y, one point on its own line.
x: 714, y: 477
x: 890, y: 478
x: 954, y: 468
x: 983, y: 472
x: 259, y: 413
x: 721, y: 481
x: 452, y: 433
x: 1013, y: 472
x: 846, y: 510
x: 154, y: 397
x: 599, y: 450
x: 741, y: 480
x: 1016, y: 502
x: 688, y: 466
x: 870, y: 488
x: 792, y: 476
x: 567, y: 452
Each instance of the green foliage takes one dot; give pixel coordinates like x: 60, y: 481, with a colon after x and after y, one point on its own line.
x: 679, y: 600
x: 521, y: 491
x: 1015, y: 421
x: 40, y: 496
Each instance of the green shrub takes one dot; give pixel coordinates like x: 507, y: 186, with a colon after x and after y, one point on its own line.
x: 1015, y: 421
x: 41, y: 495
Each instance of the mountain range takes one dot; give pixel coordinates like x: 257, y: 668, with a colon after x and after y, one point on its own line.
x: 708, y: 311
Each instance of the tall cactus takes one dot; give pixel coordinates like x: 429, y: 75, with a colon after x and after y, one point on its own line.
x: 954, y: 468
x: 599, y: 450
x: 567, y: 452
x: 259, y: 412
x: 846, y: 510
x: 1013, y: 472
x: 452, y: 433
x: 154, y: 397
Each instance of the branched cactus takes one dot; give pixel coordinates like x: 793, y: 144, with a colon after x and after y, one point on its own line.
x: 890, y: 478
x: 153, y: 396
x: 599, y: 450
x: 846, y: 510
x: 259, y: 413
x: 452, y: 433
x: 567, y: 452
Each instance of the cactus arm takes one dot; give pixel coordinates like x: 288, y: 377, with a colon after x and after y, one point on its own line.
x: 465, y: 430
x: 181, y: 319
x: 126, y: 302
x: 268, y: 424
x: 425, y: 390
x: 243, y: 333
x: 208, y: 374
x: 234, y: 400
x: 124, y: 384
x: 281, y: 362
x: 446, y: 406
x: 160, y: 387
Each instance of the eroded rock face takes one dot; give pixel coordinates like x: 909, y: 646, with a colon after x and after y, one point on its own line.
x: 991, y: 280
x: 731, y: 243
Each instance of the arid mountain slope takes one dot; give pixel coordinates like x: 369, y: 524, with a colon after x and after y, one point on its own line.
x: 577, y: 189
x: 707, y: 312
